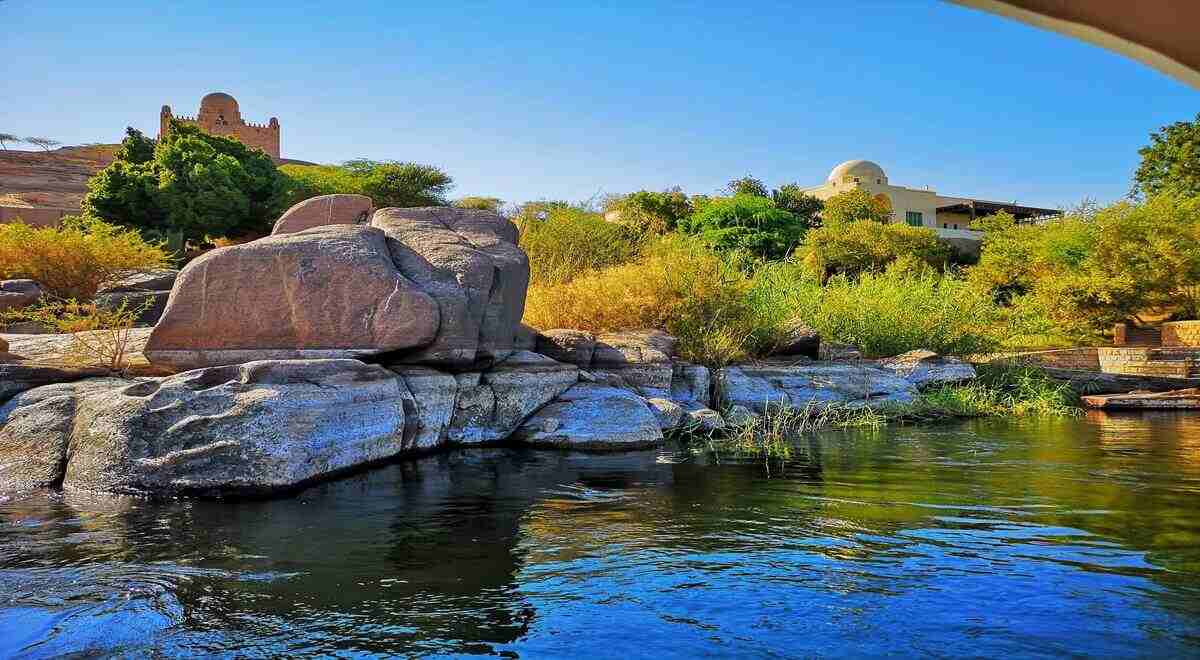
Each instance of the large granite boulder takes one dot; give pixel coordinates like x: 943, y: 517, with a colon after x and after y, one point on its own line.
x: 799, y: 339
x: 327, y: 292
x: 255, y: 427
x: 429, y: 399
x: 491, y: 404
x: 593, y: 416
x: 639, y: 360
x: 16, y: 377
x: 571, y: 346
x: 759, y: 387
x: 17, y: 294
x: 928, y: 369
x: 147, y: 291
x: 35, y: 431
x: 468, y: 260
x: 340, y: 209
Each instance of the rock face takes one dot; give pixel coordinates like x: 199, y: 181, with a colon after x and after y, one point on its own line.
x: 928, y: 369
x: 762, y: 386
x: 327, y: 292
x: 594, y: 417
x: 17, y: 294
x: 571, y: 346
x: 341, y: 209
x: 16, y: 377
x: 145, y: 290
x: 800, y: 339
x: 35, y: 430
x: 469, y: 262
x: 493, y: 403
x: 255, y: 427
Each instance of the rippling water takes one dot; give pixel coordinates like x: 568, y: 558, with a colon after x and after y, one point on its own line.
x: 1078, y: 537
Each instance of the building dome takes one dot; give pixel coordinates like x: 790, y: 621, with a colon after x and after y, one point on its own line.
x: 221, y: 105
x: 864, y: 170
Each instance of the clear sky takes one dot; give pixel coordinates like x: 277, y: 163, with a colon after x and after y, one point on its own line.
x: 565, y: 100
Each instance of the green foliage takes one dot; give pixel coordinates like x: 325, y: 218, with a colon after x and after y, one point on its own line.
x: 1005, y: 390
x: 863, y: 246
x: 196, y: 186
x: 1171, y: 162
x: 657, y: 212
x: 389, y: 183
x: 1087, y: 272
x: 564, y: 241
x: 792, y: 198
x: 492, y: 204
x: 854, y: 205
x: 136, y: 148
x: 745, y: 222
x: 747, y: 185
x: 74, y: 259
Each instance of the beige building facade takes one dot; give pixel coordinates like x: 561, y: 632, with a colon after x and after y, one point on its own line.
x: 949, y: 217
x: 220, y: 115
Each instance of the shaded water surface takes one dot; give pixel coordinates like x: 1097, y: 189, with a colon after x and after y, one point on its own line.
x: 1076, y: 537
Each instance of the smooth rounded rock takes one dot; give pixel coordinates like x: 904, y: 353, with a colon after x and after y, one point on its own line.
x: 339, y: 209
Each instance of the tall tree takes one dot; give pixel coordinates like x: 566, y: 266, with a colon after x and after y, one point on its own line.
x: 1171, y: 162
x: 747, y: 185
x: 792, y: 198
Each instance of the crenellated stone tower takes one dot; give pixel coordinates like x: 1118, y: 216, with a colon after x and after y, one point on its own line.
x: 219, y: 115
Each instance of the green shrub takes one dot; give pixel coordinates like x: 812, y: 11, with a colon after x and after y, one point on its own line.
x: 750, y: 223
x: 864, y: 246
x: 655, y: 212
x: 479, y: 203
x: 565, y: 241
x: 196, y: 185
x: 73, y: 260
x: 855, y: 205
x: 387, y: 183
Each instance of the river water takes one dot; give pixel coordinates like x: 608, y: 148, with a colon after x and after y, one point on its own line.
x: 995, y: 538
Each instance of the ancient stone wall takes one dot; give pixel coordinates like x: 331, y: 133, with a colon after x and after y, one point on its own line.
x: 1181, y: 333
x: 219, y: 115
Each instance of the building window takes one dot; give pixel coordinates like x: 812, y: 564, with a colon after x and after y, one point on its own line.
x: 913, y: 218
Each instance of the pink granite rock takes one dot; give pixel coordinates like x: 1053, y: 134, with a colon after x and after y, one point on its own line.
x: 324, y: 210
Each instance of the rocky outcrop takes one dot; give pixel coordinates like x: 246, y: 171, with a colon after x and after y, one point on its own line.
x: 16, y: 377
x: 570, y: 346
x: 759, y: 387
x: 18, y: 294
x: 35, y: 431
x: 492, y: 404
x: 340, y: 209
x: 594, y: 417
x: 838, y: 352
x: 146, y: 291
x: 469, y: 262
x: 799, y: 339
x: 928, y: 369
x: 256, y: 427
x: 328, y: 292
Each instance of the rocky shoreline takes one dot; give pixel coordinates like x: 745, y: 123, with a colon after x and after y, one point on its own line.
x: 342, y: 341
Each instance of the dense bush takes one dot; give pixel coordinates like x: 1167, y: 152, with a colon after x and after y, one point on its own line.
x: 792, y: 198
x: 565, y: 241
x: 676, y: 285
x: 854, y: 205
x: 657, y: 212
x: 194, y: 186
x: 390, y: 183
x: 863, y: 246
x: 73, y: 260
x: 479, y: 203
x: 749, y: 223
x: 1086, y: 272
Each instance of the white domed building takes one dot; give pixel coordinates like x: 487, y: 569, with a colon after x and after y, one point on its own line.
x: 950, y: 217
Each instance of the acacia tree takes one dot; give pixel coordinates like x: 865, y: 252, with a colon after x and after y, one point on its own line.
x: 5, y: 138
x: 44, y: 143
x: 747, y: 185
x: 1171, y: 162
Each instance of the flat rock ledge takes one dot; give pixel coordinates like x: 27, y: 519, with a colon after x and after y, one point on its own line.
x: 270, y: 426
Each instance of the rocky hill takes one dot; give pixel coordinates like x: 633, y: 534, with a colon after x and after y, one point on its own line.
x: 50, y: 179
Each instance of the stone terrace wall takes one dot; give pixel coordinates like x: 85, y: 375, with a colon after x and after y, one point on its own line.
x: 1181, y: 333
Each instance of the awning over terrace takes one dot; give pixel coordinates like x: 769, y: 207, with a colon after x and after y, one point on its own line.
x: 979, y: 207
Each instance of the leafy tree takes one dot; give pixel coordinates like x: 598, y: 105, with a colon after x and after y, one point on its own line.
x: 792, y: 198
x: 5, y: 138
x: 136, y: 148
x: 1171, y: 162
x: 390, y: 183
x: 751, y: 223
x: 44, y: 143
x: 479, y: 203
x: 658, y: 212
x: 196, y: 186
x: 860, y: 246
x: 856, y: 204
x: 747, y: 185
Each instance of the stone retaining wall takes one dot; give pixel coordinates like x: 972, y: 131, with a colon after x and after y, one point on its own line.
x: 1181, y: 333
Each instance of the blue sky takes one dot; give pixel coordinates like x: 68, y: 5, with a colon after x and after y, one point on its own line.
x: 565, y: 100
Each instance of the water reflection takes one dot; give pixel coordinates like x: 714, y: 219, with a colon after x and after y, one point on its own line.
x: 1063, y: 536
